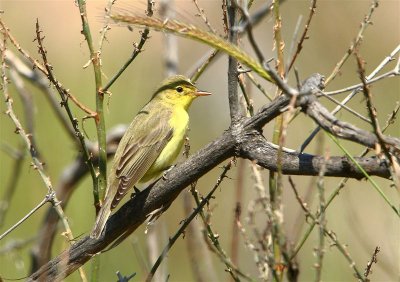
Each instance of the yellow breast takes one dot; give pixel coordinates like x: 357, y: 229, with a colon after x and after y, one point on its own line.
x: 179, y: 122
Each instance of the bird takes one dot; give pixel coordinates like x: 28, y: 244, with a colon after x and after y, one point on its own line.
x: 151, y: 143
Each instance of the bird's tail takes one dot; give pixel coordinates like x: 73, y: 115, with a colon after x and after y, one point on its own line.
x: 101, y: 219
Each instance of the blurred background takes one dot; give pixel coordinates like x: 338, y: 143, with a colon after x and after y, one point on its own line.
x: 359, y: 216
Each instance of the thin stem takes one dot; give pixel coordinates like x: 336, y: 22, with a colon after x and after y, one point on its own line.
x: 373, y: 117
x: 358, y: 87
x: 203, y: 65
x: 137, y: 50
x: 322, y: 223
x: 347, y: 108
x: 374, y: 259
x: 371, y: 180
x: 19, y: 222
x: 364, y: 24
x: 203, y: 16
x: 303, y: 35
x: 98, y: 190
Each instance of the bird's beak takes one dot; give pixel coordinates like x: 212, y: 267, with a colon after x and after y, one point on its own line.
x: 202, y: 93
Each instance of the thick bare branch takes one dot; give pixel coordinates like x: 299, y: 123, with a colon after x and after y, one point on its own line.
x: 265, y: 154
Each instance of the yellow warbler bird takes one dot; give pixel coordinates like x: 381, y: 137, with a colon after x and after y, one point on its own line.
x: 151, y: 143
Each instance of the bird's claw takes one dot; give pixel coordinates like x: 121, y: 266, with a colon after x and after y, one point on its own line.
x: 164, y: 177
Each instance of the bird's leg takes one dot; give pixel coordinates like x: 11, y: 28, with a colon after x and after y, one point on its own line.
x: 164, y: 177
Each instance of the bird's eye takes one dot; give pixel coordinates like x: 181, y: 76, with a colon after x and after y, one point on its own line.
x: 179, y: 89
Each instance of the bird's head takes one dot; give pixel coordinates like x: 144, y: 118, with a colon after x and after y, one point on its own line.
x: 178, y: 91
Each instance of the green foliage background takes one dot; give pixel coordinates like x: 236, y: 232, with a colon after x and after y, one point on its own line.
x: 359, y: 216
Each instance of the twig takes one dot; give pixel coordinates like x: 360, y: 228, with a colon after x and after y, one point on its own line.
x: 106, y: 26
x: 256, y: 17
x: 7, y: 33
x: 265, y: 200
x: 239, y: 188
x: 258, y: 85
x: 293, y: 40
x: 63, y: 92
x: 358, y: 87
x: 202, y: 65
x: 46, y: 70
x: 137, y: 48
x: 199, y: 255
x: 360, y: 116
x: 304, y: 35
x: 248, y: 102
x: 203, y: 16
x: 278, y: 137
x: 374, y: 259
x: 344, y: 130
x: 258, y: 252
x: 373, y: 117
x: 48, y: 198
x: 225, y: 24
x: 320, y: 251
x: 241, y: 28
x: 364, y: 24
x: 27, y: 103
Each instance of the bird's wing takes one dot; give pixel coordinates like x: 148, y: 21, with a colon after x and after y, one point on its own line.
x: 140, y: 151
